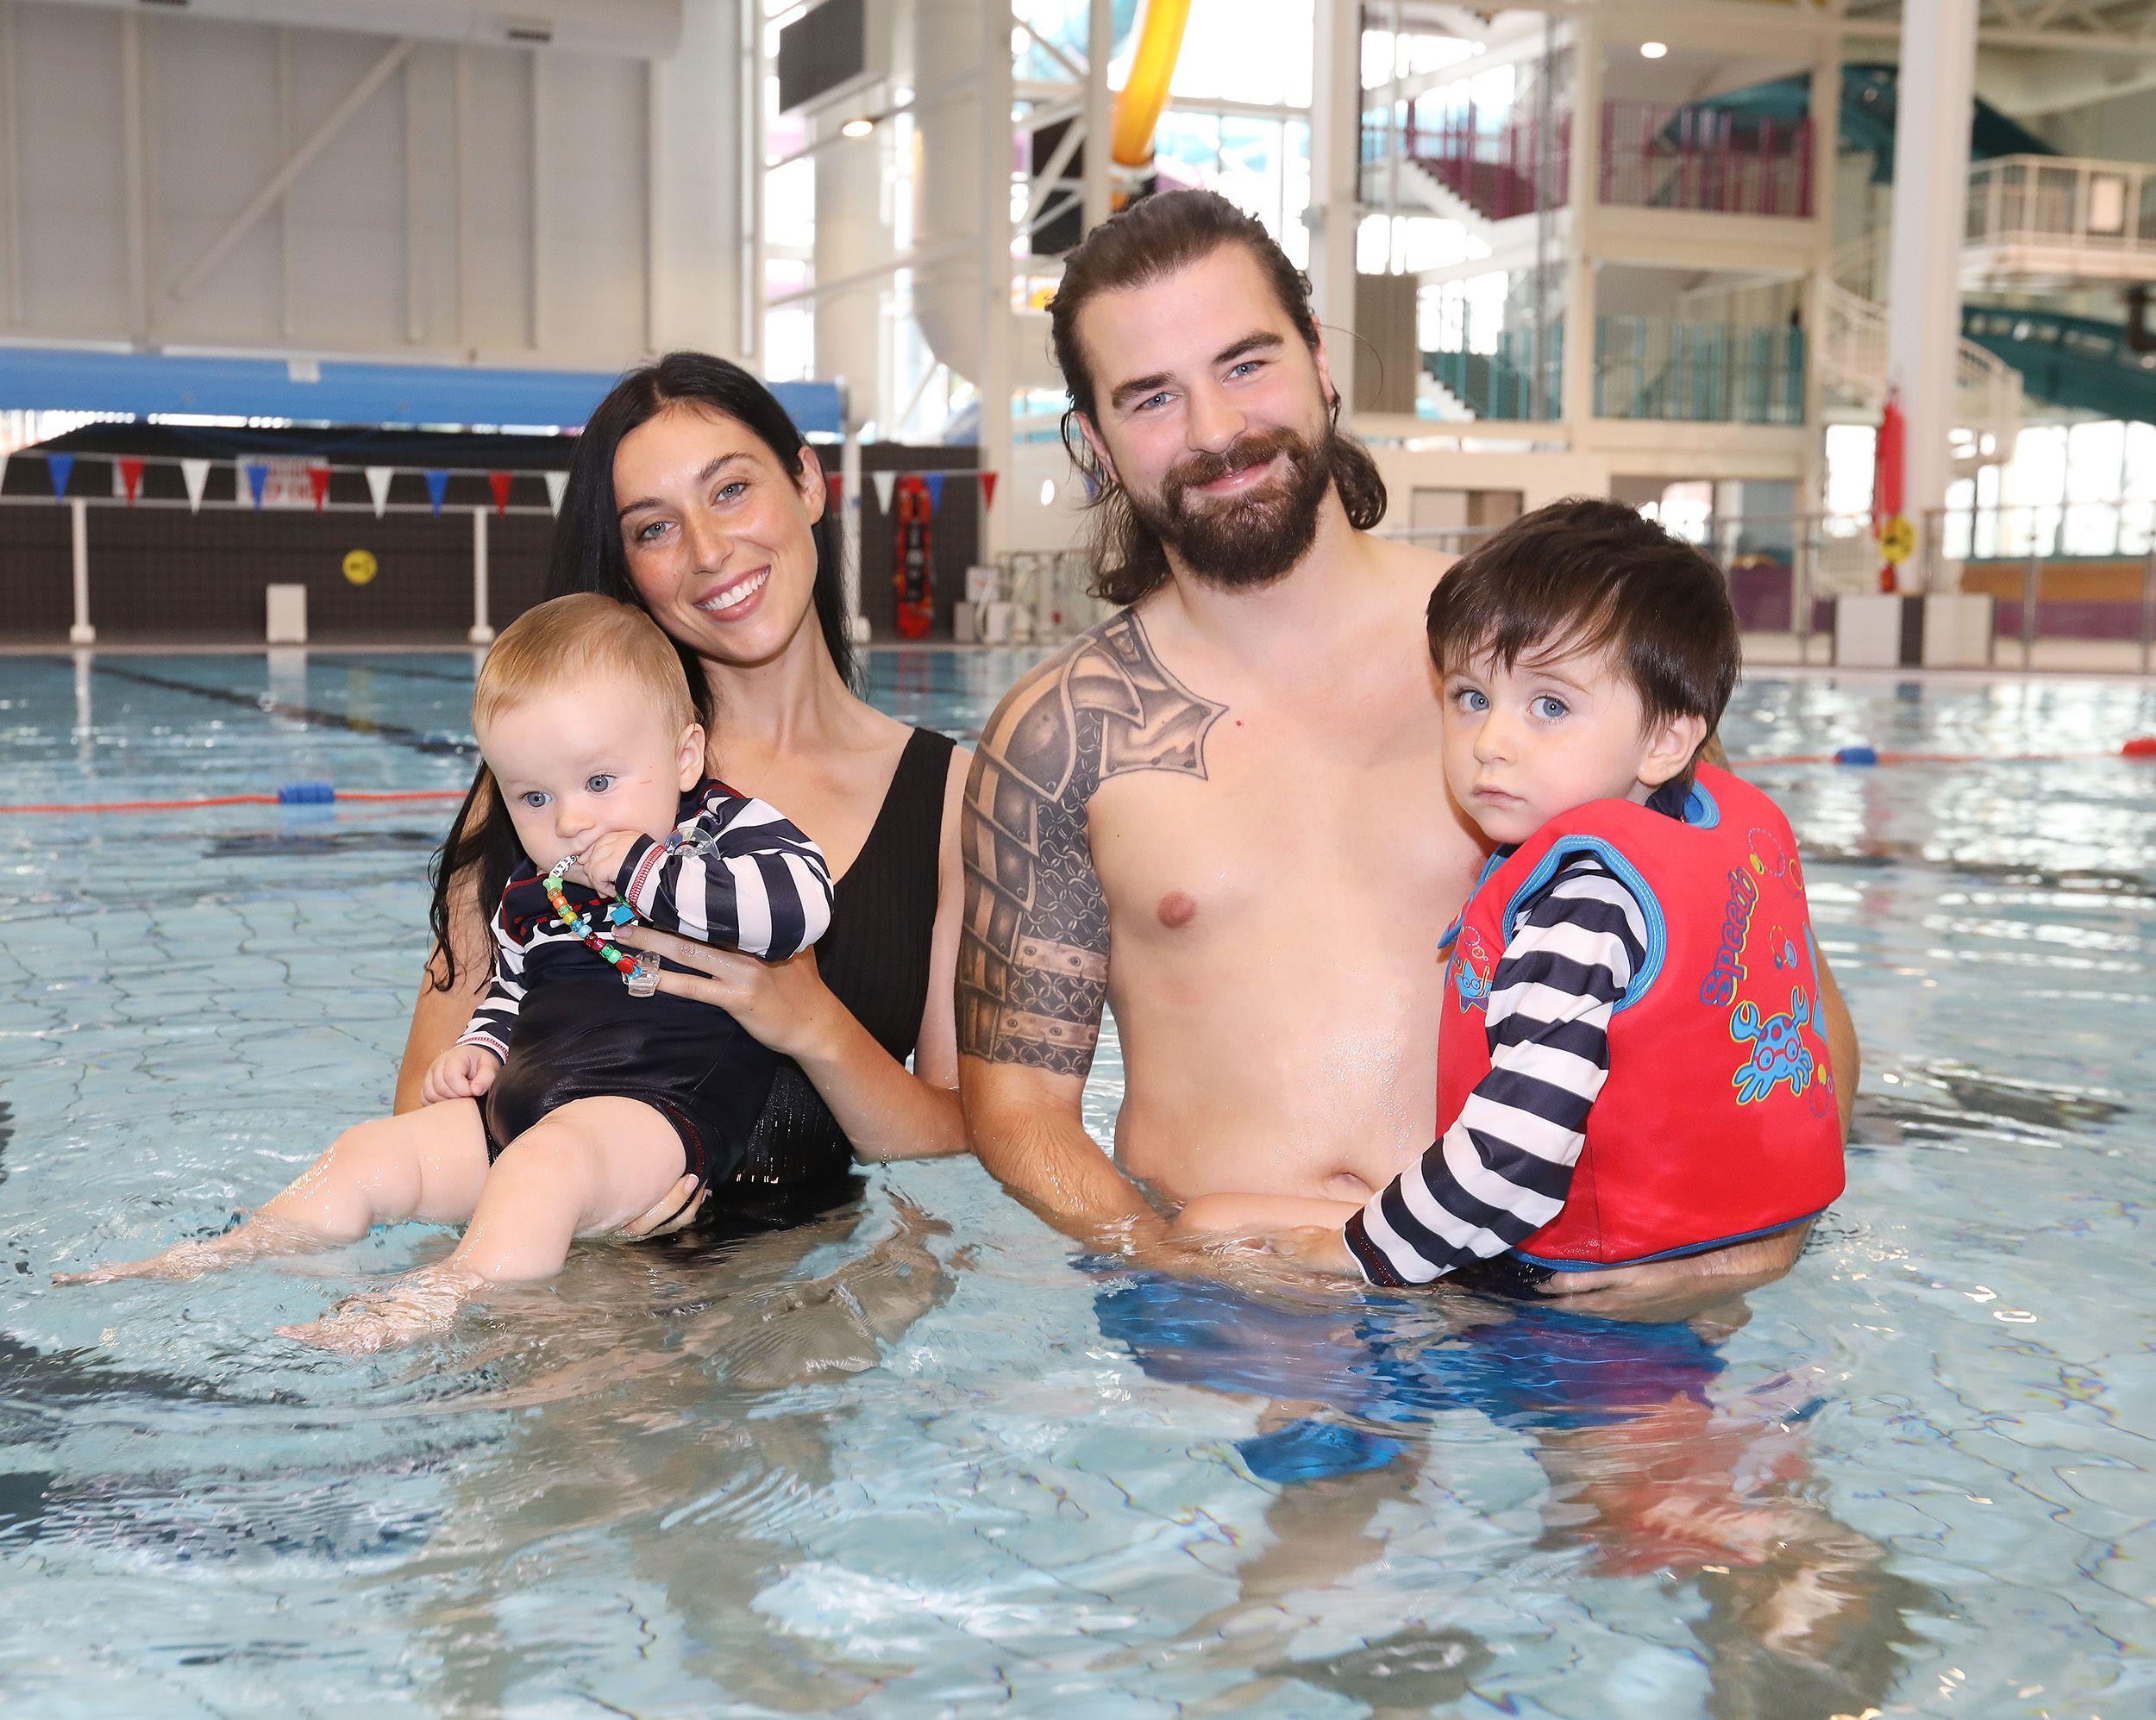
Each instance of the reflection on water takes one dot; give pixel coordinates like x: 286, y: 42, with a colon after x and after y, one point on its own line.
x: 924, y: 1456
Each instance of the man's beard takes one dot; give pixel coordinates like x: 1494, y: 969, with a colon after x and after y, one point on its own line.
x: 1256, y: 536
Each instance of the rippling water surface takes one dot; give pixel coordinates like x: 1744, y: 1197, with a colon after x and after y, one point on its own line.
x: 924, y: 1458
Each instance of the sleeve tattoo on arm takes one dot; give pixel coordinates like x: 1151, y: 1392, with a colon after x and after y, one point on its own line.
x: 1033, y: 954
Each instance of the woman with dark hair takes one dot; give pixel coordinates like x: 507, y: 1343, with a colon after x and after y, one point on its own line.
x: 693, y: 495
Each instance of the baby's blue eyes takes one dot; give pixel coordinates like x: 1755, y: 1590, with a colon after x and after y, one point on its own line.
x: 1467, y: 700
x: 1549, y: 707
x: 534, y: 799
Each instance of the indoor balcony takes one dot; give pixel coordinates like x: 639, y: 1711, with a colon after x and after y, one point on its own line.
x: 2047, y: 222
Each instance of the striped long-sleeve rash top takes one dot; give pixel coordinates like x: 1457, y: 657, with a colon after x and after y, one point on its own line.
x: 1502, y: 1169
x: 735, y: 873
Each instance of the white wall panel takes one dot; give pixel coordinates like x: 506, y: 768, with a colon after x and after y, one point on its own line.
x: 341, y: 266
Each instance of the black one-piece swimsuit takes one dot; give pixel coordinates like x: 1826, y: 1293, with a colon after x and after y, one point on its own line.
x: 875, y: 959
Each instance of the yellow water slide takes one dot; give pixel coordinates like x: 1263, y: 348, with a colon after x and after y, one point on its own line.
x: 1144, y: 93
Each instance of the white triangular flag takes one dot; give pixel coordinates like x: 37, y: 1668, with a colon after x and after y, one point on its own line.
x: 885, y: 482
x: 4, y: 468
x: 195, y: 473
x: 556, y: 483
x: 378, y: 478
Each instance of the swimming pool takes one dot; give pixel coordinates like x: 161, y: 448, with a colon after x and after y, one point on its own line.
x: 926, y: 1458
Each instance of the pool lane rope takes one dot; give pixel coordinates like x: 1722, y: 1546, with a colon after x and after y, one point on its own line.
x: 326, y: 794
x: 290, y: 794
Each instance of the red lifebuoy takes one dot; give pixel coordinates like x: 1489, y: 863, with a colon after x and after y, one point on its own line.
x: 914, y: 575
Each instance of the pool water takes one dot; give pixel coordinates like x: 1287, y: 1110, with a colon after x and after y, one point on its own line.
x: 925, y: 1457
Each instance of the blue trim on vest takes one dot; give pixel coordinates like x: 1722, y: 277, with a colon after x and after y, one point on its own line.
x: 1628, y: 875
x: 1666, y: 1254
x: 1701, y: 810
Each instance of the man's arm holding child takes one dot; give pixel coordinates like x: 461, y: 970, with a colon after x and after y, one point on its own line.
x: 1503, y: 1170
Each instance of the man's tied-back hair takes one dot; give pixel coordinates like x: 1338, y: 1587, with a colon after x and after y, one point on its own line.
x: 1594, y: 575
x: 581, y: 635
x: 1153, y: 238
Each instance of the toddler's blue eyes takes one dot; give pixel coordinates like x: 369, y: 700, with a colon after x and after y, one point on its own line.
x: 534, y: 800
x: 1550, y: 708
x: 598, y: 784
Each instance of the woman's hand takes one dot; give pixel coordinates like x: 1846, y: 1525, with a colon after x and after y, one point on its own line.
x: 785, y: 1005
x: 463, y: 1072
x: 676, y: 1209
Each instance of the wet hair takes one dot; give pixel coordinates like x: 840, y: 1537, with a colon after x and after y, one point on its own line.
x: 1152, y: 239
x: 1596, y: 576
x: 588, y: 556
x: 583, y: 634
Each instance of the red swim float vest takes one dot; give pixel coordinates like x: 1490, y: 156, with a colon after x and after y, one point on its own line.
x: 1718, y: 1121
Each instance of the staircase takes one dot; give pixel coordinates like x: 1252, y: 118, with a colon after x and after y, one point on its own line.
x: 1853, y: 360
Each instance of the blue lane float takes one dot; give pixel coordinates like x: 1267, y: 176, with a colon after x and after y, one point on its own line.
x: 306, y: 794
x: 1857, y: 755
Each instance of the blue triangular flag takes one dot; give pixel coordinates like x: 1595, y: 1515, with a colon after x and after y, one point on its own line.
x: 934, y: 481
x: 437, y: 487
x: 257, y: 479
x: 60, y: 465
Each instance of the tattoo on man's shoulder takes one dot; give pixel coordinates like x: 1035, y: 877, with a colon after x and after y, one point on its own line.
x: 1033, y: 954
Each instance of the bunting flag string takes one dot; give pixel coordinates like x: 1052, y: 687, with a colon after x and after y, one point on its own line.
x: 255, y: 471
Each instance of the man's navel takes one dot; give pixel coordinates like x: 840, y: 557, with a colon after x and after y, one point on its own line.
x: 1177, y: 909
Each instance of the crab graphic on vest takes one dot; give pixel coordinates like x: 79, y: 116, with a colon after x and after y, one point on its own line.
x: 1778, y: 1052
x: 1473, y: 980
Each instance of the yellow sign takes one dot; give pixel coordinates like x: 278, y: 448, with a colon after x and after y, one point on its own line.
x: 1897, y: 540
x: 360, y: 566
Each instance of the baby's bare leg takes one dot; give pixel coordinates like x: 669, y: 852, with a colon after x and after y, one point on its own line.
x: 584, y: 1170
x: 428, y: 1165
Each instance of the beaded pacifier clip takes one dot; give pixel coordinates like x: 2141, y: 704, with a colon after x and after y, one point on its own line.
x: 640, y: 973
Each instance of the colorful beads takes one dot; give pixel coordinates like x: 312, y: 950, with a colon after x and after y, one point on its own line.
x: 640, y: 973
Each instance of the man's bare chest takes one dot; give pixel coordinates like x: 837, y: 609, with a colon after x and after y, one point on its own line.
x: 1289, y: 822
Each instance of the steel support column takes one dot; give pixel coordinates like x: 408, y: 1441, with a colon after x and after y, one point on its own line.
x: 1931, y: 193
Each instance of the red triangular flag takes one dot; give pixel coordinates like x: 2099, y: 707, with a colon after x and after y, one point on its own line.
x: 318, y: 481
x: 834, y: 487
x: 131, y: 475
x: 987, y: 489
x: 498, y: 483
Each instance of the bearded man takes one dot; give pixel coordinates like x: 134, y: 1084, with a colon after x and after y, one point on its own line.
x: 1223, y: 812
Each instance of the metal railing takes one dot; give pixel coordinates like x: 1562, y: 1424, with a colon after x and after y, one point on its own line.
x: 1852, y: 358
x: 1500, y: 163
x: 2061, y: 219
x: 2075, y: 581
x: 1656, y: 155
x: 1698, y: 372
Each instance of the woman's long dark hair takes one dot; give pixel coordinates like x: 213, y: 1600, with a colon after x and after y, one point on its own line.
x: 588, y: 557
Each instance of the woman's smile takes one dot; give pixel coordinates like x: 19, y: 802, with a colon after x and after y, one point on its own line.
x: 737, y: 595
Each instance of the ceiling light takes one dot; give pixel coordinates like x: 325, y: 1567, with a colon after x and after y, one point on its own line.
x: 1047, y: 493
x: 856, y: 127
x: 1653, y: 50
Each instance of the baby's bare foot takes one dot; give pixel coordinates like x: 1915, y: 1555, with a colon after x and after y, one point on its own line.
x: 252, y: 1240
x: 182, y: 1259
x: 421, y: 1304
